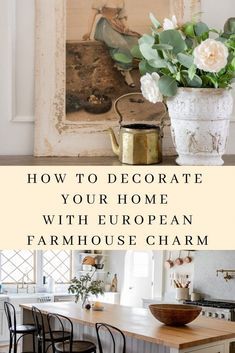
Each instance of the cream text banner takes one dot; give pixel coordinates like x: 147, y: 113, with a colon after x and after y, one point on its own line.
x: 153, y: 208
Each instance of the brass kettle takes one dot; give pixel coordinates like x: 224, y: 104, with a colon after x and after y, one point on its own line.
x: 138, y: 143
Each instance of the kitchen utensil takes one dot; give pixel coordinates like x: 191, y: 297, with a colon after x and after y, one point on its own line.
x: 182, y: 294
x: 188, y: 258
x: 169, y: 263
x: 175, y: 314
x: 177, y: 284
x: 179, y: 261
x: 187, y: 284
x: 138, y: 143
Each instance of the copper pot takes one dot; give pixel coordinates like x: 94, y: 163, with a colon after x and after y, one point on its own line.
x: 188, y: 258
x: 179, y: 261
x: 169, y: 263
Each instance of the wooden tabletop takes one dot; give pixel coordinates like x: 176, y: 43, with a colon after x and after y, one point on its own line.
x: 140, y: 324
x: 89, y: 161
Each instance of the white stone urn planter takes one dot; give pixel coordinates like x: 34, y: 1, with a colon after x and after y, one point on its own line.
x: 200, y: 119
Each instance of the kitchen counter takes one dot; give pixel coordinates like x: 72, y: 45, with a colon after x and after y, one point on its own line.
x: 35, y: 295
x: 139, y: 324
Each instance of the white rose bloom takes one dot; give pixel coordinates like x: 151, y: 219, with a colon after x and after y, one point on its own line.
x: 170, y: 24
x: 211, y: 56
x: 150, y: 89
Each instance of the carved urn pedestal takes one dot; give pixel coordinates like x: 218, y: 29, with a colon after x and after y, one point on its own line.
x: 200, y: 119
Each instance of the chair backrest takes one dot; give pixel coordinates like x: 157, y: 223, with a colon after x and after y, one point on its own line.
x: 11, y: 315
x: 115, y: 335
x: 63, y: 324
x: 38, y: 321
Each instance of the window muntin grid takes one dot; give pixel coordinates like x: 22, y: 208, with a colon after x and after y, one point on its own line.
x: 57, y: 264
x: 16, y: 266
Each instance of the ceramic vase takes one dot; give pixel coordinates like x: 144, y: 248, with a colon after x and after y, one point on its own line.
x: 200, y: 119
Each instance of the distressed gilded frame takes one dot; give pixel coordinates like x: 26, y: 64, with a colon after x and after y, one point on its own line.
x: 53, y: 135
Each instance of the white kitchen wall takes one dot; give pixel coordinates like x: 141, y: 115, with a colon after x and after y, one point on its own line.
x: 205, y: 279
x: 163, y: 286
x: 17, y: 78
x: 177, y: 272
x: 116, y: 265
x: 202, y: 272
x: 16, y: 72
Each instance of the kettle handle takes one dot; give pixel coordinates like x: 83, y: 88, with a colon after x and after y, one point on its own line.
x: 117, y: 111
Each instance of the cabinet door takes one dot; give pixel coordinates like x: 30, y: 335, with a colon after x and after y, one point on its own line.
x: 212, y: 349
x: 3, y: 327
x: 64, y: 298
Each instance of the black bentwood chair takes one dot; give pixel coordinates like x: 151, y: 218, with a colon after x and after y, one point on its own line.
x: 44, y: 340
x: 69, y: 346
x: 115, y: 334
x: 14, y: 329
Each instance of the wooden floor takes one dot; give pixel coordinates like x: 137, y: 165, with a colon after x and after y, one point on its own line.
x: 4, y: 349
x: 82, y: 161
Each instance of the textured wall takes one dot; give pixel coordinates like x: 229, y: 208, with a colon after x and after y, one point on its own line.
x: 205, y: 280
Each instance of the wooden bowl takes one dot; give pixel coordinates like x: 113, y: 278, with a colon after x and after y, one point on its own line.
x: 175, y: 314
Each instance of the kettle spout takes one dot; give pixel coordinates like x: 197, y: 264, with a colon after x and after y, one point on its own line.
x: 115, y: 146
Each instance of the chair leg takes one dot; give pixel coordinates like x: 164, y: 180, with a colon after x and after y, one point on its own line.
x: 34, y: 343
x: 10, y: 343
x: 43, y: 346
x: 39, y: 346
x: 15, y: 343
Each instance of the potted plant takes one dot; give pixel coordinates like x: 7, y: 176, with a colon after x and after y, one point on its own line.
x: 83, y: 287
x: 191, y: 68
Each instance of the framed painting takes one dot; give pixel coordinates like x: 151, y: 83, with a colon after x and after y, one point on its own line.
x: 79, y: 76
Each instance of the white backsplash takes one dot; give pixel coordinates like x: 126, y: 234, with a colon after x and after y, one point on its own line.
x: 205, y: 279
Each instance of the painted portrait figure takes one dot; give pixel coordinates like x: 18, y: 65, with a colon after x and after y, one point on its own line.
x: 112, y: 29
x: 99, y: 65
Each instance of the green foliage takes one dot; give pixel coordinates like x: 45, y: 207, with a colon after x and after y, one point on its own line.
x: 185, y: 60
x: 170, y: 53
x: 136, y: 53
x: 189, y: 30
x: 154, y: 21
x: 148, y: 52
x: 84, y: 286
x: 195, y: 82
x: 173, y: 38
x: 201, y: 28
x: 168, y: 86
x: 145, y: 68
x: 147, y: 39
x: 229, y: 27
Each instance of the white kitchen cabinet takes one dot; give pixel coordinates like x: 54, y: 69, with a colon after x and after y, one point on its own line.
x: 107, y: 297
x: 17, y: 301
x: 213, y: 348
x: 3, y: 327
x: 64, y: 298
x: 3, y: 323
